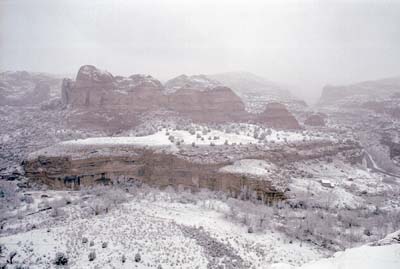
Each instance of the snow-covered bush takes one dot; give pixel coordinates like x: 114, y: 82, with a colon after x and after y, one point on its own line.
x: 61, y: 259
x: 11, y: 257
x: 56, y: 212
x: 138, y: 258
x: 104, y: 198
x: 92, y: 256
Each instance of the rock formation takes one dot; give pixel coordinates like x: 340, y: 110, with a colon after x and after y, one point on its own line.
x: 98, y: 94
x: 315, y: 120
x: 94, y: 88
x: 99, y: 99
x: 203, y: 99
x: 232, y: 169
x: 60, y: 167
x: 277, y: 116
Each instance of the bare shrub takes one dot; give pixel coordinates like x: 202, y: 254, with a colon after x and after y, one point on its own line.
x: 138, y: 258
x: 92, y: 256
x: 61, y: 259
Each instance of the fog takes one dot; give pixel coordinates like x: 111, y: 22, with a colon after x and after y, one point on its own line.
x: 306, y: 44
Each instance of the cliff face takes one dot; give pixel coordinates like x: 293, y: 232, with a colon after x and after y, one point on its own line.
x: 155, y: 168
x: 277, y: 116
x: 203, y: 99
x: 97, y: 98
x: 94, y: 88
x: 231, y: 169
x: 191, y: 97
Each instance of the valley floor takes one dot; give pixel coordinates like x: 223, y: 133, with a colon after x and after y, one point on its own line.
x: 165, y: 229
x: 166, y: 233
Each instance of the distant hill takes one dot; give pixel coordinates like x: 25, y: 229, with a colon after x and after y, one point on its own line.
x: 248, y: 83
x: 256, y: 91
x: 19, y: 88
x: 359, y: 93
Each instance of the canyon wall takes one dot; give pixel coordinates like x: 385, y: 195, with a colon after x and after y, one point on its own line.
x: 155, y: 168
x: 98, y: 99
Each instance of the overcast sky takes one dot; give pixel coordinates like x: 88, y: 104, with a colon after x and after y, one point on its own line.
x: 303, y: 43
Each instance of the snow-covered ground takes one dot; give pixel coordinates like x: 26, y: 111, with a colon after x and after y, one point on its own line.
x: 365, y: 257
x: 165, y: 232
x: 251, y: 167
x: 201, y: 135
x: 337, y: 184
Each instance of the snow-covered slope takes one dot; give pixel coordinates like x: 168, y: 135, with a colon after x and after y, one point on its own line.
x: 166, y: 229
x: 167, y: 137
x: 194, y: 82
x: 385, y: 256
x: 366, y: 257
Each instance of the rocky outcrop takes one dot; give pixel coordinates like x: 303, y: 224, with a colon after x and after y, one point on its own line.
x: 115, y: 102
x: 277, y: 116
x: 66, y: 90
x: 315, y: 120
x: 232, y: 169
x: 203, y: 99
x: 94, y: 88
x: 98, y: 94
x: 155, y: 167
x: 195, y: 82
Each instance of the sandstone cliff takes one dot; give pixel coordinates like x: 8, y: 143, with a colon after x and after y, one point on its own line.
x: 97, y: 94
x: 64, y: 166
x: 203, y: 99
x: 94, y: 88
x: 97, y: 99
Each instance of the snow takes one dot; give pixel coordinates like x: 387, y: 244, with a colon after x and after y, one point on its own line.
x: 217, y: 137
x: 336, y: 183
x: 151, y: 225
x: 366, y: 257
x: 250, y: 167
